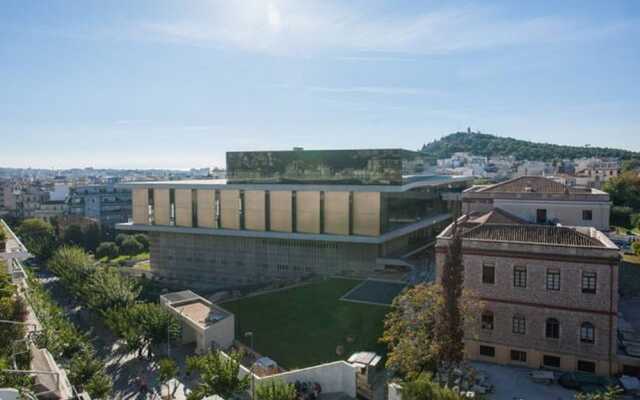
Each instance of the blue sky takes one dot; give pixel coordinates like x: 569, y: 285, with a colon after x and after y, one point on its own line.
x: 177, y: 84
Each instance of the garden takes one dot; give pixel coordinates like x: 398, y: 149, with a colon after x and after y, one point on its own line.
x: 309, y: 325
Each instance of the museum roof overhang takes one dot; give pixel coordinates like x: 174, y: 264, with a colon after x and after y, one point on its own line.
x: 407, y: 229
x: 409, y: 183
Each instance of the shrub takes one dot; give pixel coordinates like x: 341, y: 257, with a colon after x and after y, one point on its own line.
x: 107, y: 249
x: 635, y: 246
x: 143, y: 240
x: 130, y: 246
x: 121, y: 237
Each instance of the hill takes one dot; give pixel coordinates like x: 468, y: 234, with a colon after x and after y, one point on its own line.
x: 490, y: 145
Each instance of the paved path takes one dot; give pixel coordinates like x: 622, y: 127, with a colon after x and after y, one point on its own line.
x: 123, y: 368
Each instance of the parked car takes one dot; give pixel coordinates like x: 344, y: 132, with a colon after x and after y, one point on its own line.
x: 586, y: 382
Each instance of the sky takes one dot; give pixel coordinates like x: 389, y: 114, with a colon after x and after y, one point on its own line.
x: 176, y: 84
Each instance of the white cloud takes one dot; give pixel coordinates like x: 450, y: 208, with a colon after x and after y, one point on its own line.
x: 291, y: 26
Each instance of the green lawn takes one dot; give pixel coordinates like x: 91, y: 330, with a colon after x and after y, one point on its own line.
x: 303, y: 326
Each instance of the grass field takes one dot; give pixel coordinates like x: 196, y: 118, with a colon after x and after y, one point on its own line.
x: 303, y: 326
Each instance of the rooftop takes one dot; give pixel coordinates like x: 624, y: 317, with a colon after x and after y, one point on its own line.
x: 496, y: 216
x: 408, y: 182
x: 194, y: 307
x: 531, y: 233
x: 531, y: 184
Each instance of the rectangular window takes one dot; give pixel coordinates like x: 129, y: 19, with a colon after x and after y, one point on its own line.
x: 487, y: 351
x: 587, y: 366
x: 194, y: 208
x: 151, y: 202
x: 488, y: 273
x: 541, y: 216
x: 520, y: 277
x: 172, y: 206
x: 553, y: 279
x: 487, y: 321
x: 551, y: 361
x: 519, y: 325
x: 519, y: 356
x: 587, y: 215
x: 589, y: 280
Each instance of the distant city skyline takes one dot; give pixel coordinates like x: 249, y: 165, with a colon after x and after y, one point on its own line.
x: 174, y: 85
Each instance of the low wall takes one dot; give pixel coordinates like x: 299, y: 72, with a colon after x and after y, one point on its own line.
x: 333, y: 377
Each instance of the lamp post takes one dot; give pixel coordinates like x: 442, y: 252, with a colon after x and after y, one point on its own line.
x: 253, y: 374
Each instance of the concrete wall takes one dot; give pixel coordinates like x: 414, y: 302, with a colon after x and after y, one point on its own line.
x: 140, y: 200
x: 183, y: 207
x: 161, y: 206
x: 206, y: 208
x: 567, y: 212
x: 222, y: 333
x: 336, y: 213
x: 308, y: 212
x: 366, y: 213
x: 229, y: 209
x: 280, y: 207
x: 254, y: 210
x: 334, y: 377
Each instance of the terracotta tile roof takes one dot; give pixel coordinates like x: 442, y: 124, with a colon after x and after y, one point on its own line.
x: 527, y: 184
x: 531, y: 233
x: 496, y: 216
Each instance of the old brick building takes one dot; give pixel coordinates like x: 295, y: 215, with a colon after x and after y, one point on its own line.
x: 550, y: 293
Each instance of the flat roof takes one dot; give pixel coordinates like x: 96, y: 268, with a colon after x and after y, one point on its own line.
x: 195, y: 308
x: 409, y: 182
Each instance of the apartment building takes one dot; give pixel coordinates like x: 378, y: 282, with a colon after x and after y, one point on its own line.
x: 105, y: 203
x: 550, y: 293
x: 541, y: 200
x: 290, y: 214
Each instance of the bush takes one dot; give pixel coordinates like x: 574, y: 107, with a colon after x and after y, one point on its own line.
x: 130, y: 246
x: 621, y: 216
x: 107, y: 249
x: 635, y: 246
x: 143, y: 239
x: 121, y: 237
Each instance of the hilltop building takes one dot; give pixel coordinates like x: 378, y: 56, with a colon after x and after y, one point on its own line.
x: 541, y: 200
x: 290, y: 214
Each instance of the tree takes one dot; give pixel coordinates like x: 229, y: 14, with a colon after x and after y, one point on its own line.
x: 156, y: 324
x: 635, y: 246
x: 73, y: 236
x: 73, y: 266
x: 631, y: 165
x: 108, y: 288
x: 218, y: 374
x: 167, y: 370
x: 276, y: 390
x: 130, y: 246
x: 120, y: 237
x: 414, y: 342
x: 92, y: 237
x: 424, y: 388
x: 621, y: 216
x: 83, y: 366
x: 99, y: 386
x: 38, y: 236
x: 450, y: 320
x: 624, y: 190
x: 143, y: 240
x: 107, y: 249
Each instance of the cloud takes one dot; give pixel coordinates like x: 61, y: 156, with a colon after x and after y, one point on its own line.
x: 291, y: 26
